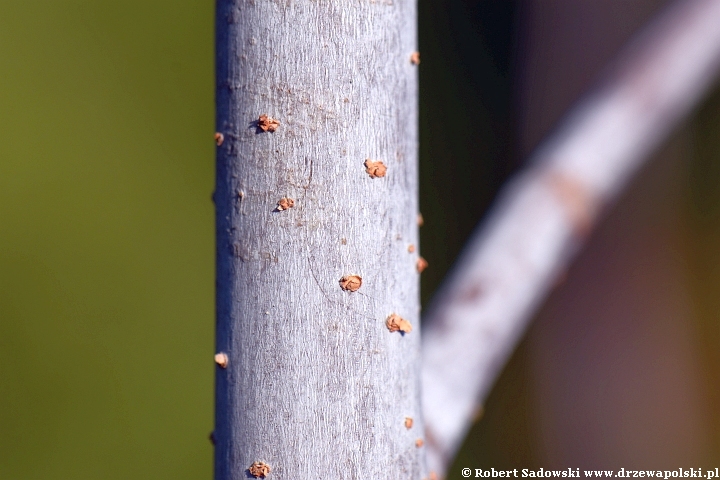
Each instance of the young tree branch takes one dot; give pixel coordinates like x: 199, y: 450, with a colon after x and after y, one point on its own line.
x: 316, y: 203
x: 543, y: 215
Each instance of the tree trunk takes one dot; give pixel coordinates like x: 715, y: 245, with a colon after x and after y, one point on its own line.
x: 315, y: 384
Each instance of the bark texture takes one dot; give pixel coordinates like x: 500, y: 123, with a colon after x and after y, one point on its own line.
x: 316, y: 386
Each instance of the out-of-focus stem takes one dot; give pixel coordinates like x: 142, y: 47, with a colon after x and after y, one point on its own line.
x: 543, y: 215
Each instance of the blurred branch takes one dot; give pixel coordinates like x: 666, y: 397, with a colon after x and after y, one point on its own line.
x: 543, y: 215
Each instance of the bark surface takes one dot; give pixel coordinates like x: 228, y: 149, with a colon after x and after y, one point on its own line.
x: 316, y: 386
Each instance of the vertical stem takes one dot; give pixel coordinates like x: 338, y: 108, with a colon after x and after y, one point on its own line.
x: 316, y: 386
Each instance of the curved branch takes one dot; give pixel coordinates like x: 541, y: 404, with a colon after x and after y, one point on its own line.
x: 542, y: 216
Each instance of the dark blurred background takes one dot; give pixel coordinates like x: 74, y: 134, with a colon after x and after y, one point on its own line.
x: 107, y: 248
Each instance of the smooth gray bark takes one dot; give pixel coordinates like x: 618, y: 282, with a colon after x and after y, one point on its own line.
x: 316, y: 386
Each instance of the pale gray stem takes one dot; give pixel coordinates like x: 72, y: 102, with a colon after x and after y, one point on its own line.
x: 542, y: 215
x: 315, y: 385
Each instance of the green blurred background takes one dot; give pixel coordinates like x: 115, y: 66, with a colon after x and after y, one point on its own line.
x: 107, y: 248
x: 106, y: 239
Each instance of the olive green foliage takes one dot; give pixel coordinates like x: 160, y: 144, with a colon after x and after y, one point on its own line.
x: 106, y: 239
